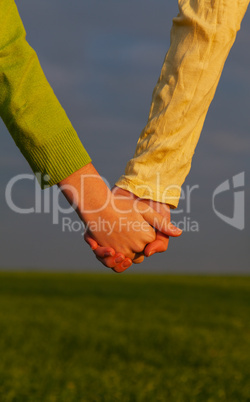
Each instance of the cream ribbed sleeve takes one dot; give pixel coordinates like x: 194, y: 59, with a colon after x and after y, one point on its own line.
x: 201, y: 38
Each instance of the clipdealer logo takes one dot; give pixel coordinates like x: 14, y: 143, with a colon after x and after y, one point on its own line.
x: 48, y: 201
x: 236, y: 189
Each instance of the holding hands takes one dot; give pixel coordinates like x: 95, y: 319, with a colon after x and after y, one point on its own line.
x: 120, y: 227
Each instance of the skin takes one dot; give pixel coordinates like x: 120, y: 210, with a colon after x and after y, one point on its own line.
x: 93, y: 200
x: 128, y: 230
x: 108, y: 256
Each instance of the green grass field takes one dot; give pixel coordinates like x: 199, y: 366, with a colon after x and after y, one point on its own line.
x: 79, y: 337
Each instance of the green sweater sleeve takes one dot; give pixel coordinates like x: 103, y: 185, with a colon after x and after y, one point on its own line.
x: 29, y: 108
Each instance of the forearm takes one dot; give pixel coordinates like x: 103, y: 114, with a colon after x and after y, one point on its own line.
x: 201, y: 38
x: 29, y: 107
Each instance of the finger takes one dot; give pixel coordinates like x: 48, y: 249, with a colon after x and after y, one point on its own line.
x: 123, y: 266
x: 91, y: 242
x: 139, y: 257
x: 107, y: 260
x: 160, y: 222
x: 158, y: 246
x: 104, y: 252
x: 101, y: 252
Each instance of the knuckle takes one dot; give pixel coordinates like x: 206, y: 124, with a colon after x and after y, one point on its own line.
x: 138, y: 248
x: 130, y: 254
x: 151, y: 236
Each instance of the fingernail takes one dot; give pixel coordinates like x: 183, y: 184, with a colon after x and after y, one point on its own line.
x: 119, y: 259
x: 109, y: 254
x: 175, y: 229
x: 126, y: 264
x: 151, y: 253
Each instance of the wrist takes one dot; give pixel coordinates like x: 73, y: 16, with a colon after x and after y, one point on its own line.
x: 86, y: 191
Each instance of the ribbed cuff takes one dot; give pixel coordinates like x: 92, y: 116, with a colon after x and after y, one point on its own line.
x: 58, y: 158
x: 169, y: 196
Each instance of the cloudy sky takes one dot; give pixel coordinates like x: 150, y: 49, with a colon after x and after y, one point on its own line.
x: 103, y: 60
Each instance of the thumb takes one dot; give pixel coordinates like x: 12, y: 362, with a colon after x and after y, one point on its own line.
x: 91, y: 242
x: 160, y: 222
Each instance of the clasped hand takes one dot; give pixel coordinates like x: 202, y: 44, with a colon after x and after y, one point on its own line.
x: 120, y: 227
x: 145, y: 236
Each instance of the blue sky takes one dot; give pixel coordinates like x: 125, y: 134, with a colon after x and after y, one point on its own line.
x: 103, y: 60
